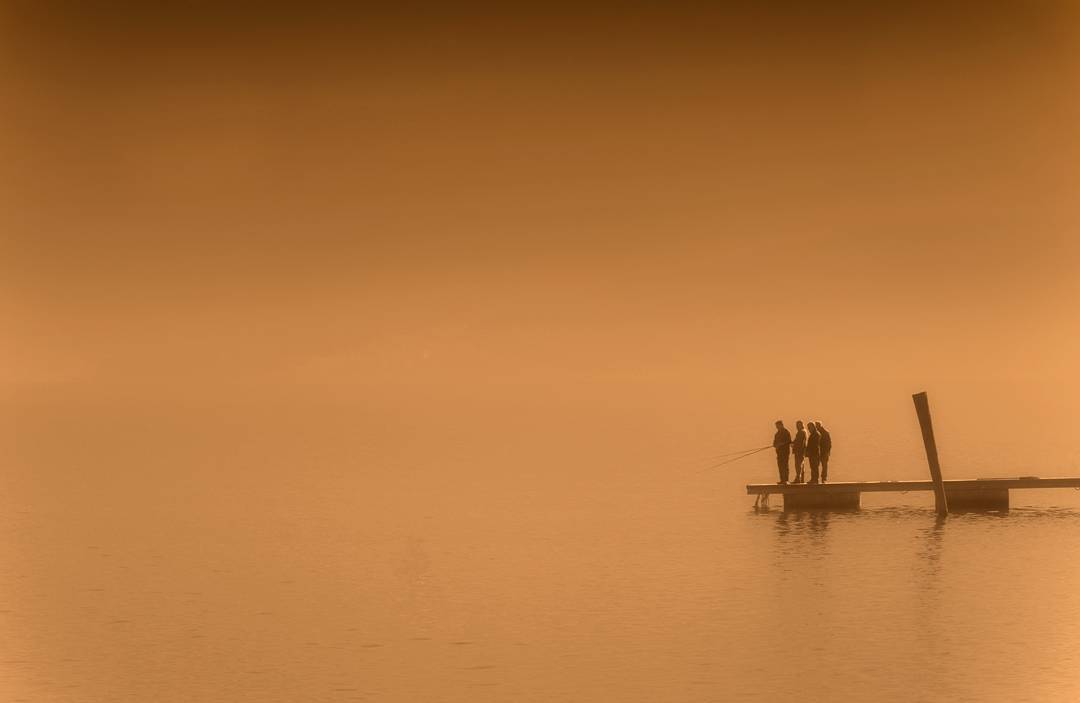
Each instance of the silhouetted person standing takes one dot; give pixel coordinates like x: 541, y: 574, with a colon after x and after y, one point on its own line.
x: 781, y: 442
x: 799, y: 447
x: 826, y: 450
x: 813, y: 452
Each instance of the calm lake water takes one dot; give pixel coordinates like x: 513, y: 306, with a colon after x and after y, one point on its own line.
x: 330, y: 550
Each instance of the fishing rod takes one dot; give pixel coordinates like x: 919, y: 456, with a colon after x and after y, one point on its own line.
x: 713, y: 457
x: 741, y: 451
x: 741, y: 455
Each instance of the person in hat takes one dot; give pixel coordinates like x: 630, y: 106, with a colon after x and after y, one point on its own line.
x: 813, y: 452
x: 782, y: 444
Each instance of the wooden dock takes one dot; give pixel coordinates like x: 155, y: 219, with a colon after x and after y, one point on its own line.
x: 965, y: 494
x: 981, y: 493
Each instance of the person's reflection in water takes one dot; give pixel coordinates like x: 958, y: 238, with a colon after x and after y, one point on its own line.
x: 783, y: 525
x: 813, y: 524
x: 787, y: 545
x: 817, y: 526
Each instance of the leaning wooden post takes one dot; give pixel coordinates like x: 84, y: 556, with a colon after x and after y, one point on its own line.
x: 922, y: 409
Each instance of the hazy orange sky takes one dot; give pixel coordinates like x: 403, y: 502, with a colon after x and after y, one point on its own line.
x: 550, y: 195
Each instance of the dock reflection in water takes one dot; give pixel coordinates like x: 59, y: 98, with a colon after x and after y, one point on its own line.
x: 883, y: 592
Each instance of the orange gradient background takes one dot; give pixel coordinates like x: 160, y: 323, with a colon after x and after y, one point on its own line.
x: 275, y: 278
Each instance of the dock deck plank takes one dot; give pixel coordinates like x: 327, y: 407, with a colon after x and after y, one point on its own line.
x: 900, y: 486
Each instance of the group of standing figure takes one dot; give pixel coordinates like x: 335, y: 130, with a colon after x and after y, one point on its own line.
x: 815, y: 446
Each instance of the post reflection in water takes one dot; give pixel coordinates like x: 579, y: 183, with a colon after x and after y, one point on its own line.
x: 934, y: 537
